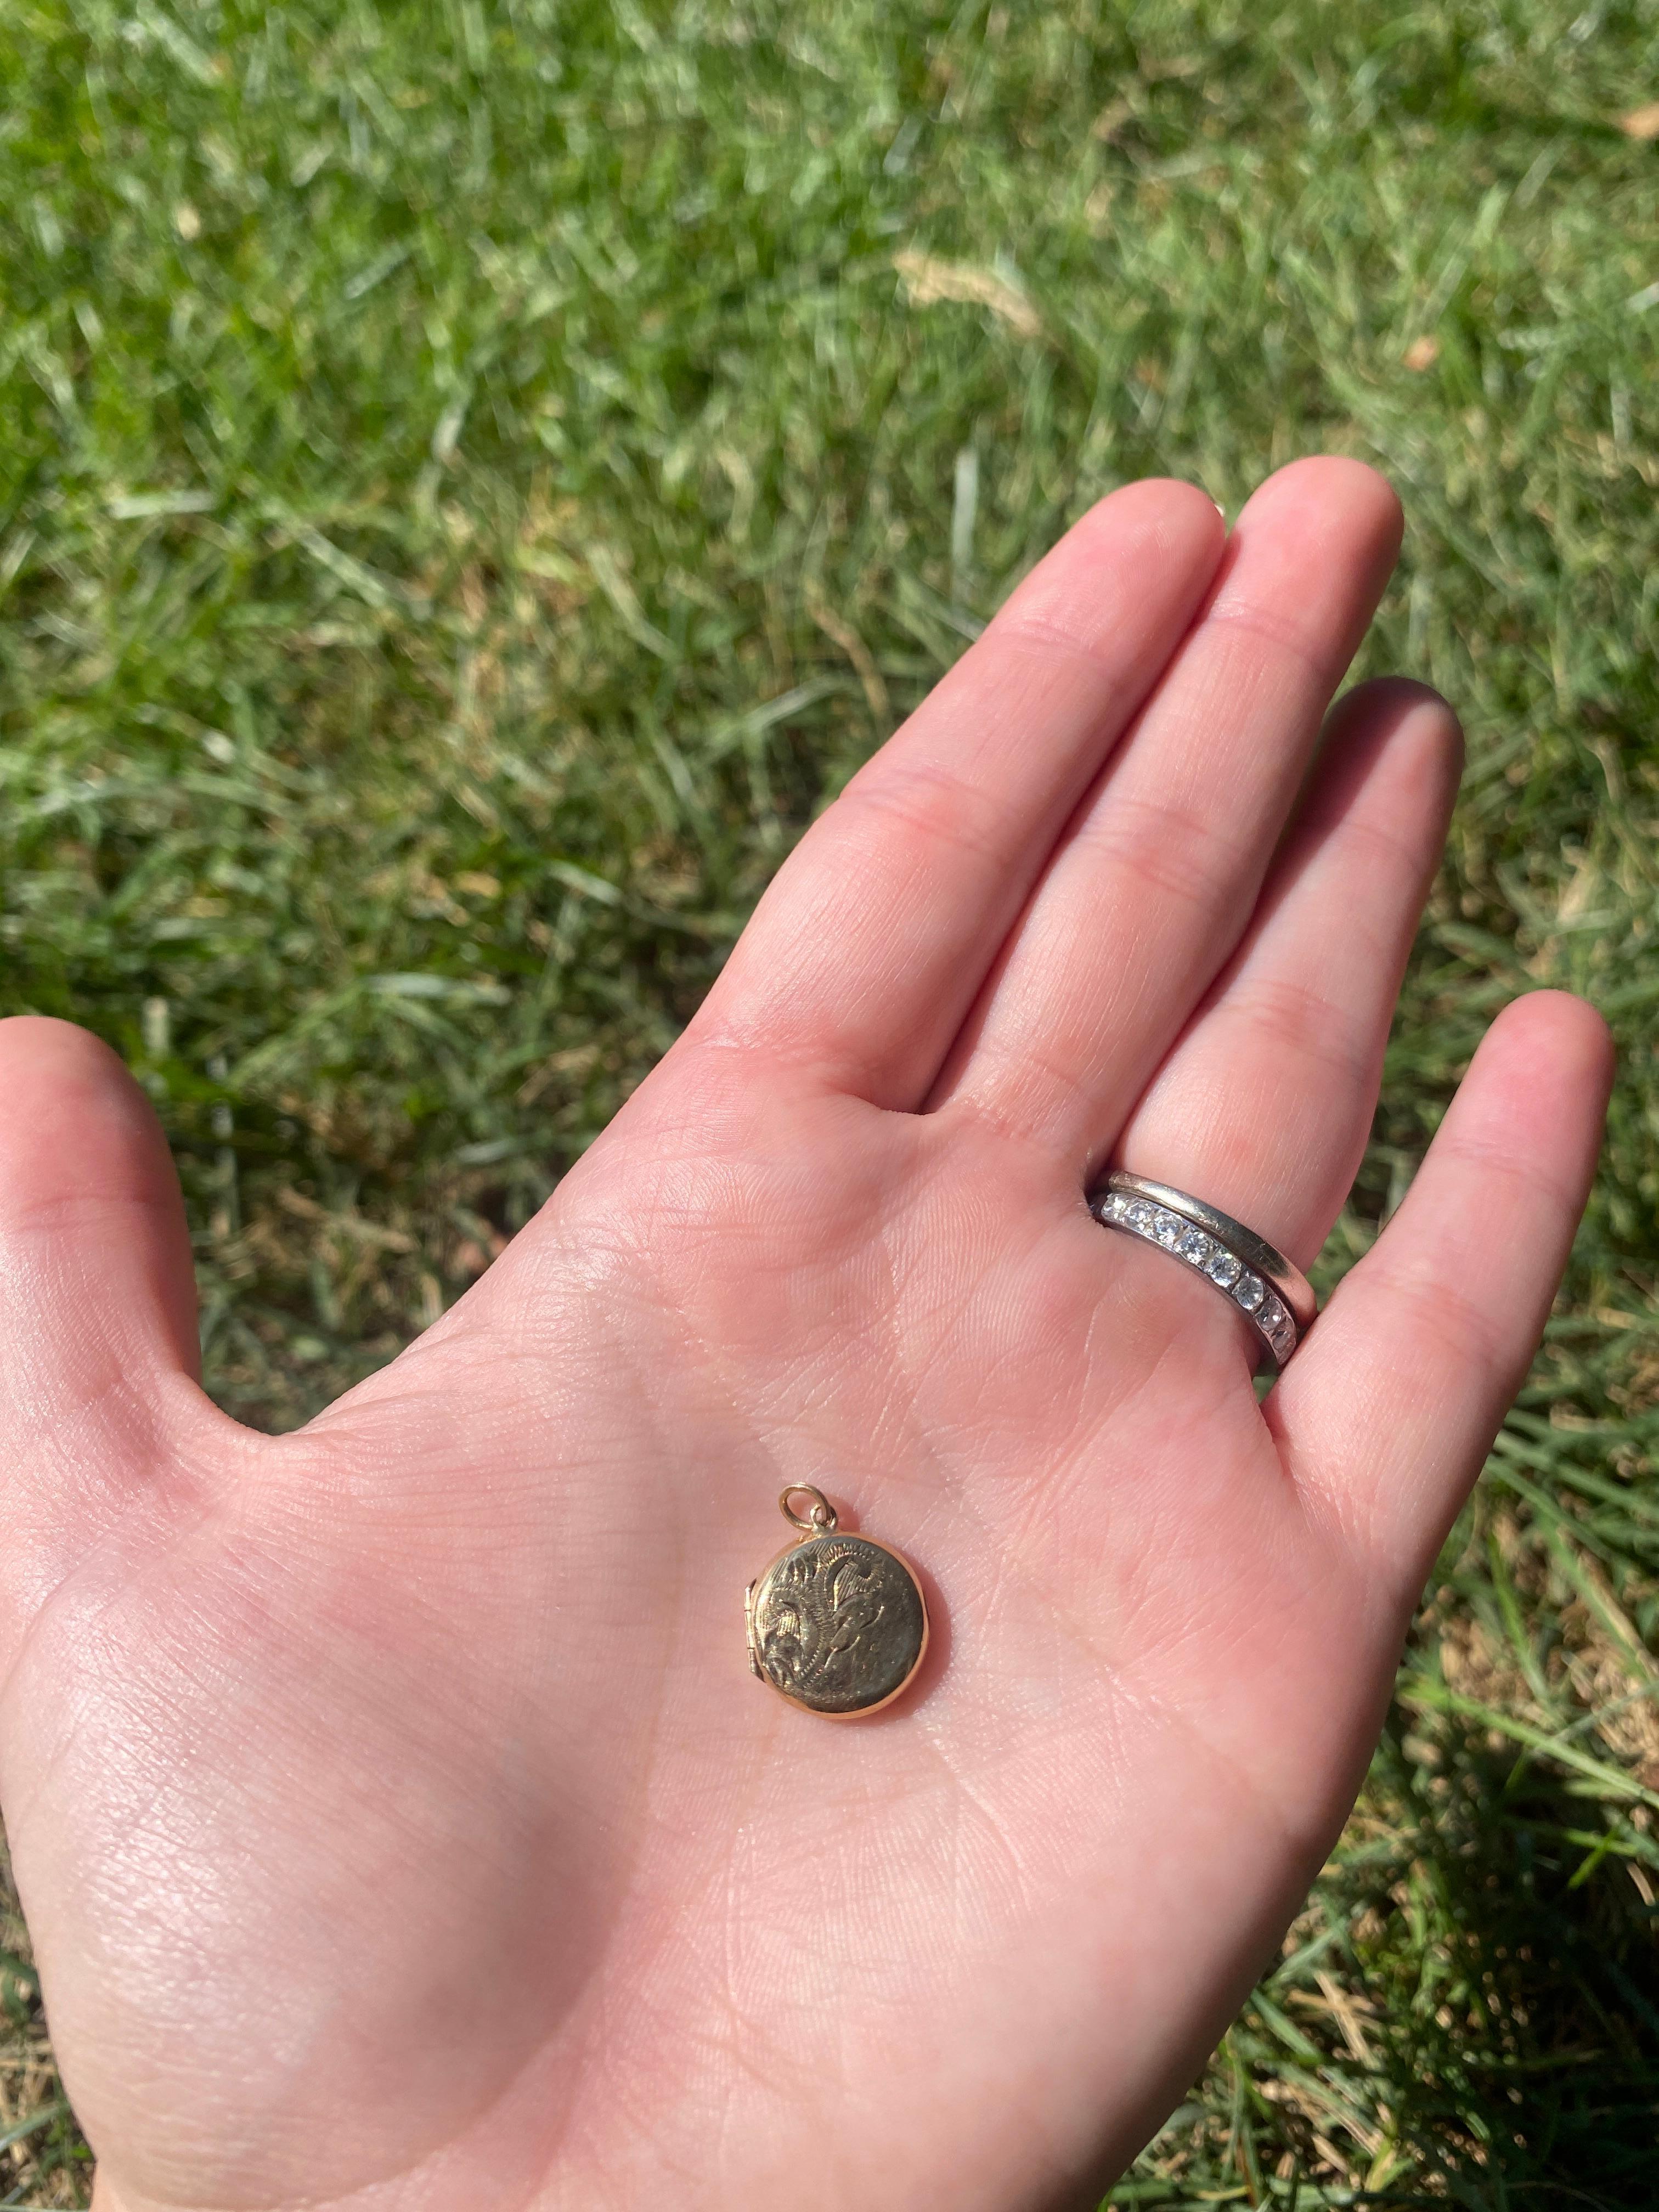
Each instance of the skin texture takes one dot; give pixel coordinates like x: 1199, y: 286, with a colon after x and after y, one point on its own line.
x: 395, y: 1817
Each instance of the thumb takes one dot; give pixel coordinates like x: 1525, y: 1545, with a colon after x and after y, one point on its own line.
x: 98, y: 1341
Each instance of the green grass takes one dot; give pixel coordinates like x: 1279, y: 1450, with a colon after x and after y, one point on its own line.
x: 475, y: 477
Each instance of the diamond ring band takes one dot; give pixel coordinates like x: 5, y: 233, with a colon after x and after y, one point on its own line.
x: 1275, y: 1297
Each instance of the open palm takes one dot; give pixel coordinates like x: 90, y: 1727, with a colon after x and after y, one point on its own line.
x: 397, y: 1819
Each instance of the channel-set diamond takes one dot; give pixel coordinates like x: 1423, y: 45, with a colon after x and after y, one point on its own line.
x: 1161, y: 1225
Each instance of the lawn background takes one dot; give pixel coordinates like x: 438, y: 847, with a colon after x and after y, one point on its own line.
x: 475, y: 477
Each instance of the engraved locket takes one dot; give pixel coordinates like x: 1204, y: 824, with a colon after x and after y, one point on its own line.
x: 837, y: 1623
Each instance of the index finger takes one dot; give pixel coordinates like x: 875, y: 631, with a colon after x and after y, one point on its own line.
x: 865, y: 954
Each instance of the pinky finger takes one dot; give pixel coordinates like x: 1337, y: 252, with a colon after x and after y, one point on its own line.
x: 1388, y: 1412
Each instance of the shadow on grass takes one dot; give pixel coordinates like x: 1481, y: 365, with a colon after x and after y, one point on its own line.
x: 1468, y: 2012
x: 1521, y: 2057
x: 1495, y: 1937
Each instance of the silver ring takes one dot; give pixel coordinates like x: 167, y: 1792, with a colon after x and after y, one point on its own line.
x: 1272, y: 1294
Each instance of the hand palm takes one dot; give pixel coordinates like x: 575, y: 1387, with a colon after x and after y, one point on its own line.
x: 397, y: 1816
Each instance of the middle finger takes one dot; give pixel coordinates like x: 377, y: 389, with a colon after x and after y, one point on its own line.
x: 1152, y: 888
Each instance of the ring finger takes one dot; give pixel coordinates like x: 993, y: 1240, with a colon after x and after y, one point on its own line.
x: 1149, y: 890
x: 1263, y: 1106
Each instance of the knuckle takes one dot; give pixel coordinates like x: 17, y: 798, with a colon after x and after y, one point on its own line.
x: 1301, y: 1025
x: 917, y: 808
x: 1165, y: 848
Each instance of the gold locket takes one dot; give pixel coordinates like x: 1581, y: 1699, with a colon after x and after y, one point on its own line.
x: 837, y: 1624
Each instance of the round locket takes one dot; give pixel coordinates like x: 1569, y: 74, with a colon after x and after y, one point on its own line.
x: 837, y: 1623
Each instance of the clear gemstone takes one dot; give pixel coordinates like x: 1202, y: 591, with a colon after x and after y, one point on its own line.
x: 1111, y: 1208
x: 1271, y: 1313
x: 1167, y: 1228
x: 1222, y: 1268
x: 1141, y: 1214
x: 1195, y: 1246
x: 1250, y: 1290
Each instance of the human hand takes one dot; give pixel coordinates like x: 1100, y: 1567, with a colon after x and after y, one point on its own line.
x: 396, y: 1818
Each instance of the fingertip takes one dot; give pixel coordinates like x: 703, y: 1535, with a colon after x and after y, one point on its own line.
x: 1166, y: 513
x: 37, y: 1048
x: 1333, y: 492
x: 1307, y: 562
x: 87, y: 1189
x: 1402, y: 730
x: 1398, y: 702
x: 43, y: 1038
x: 1557, y: 1034
x: 1536, y: 1095
x: 1151, y: 548
x: 73, y: 1119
